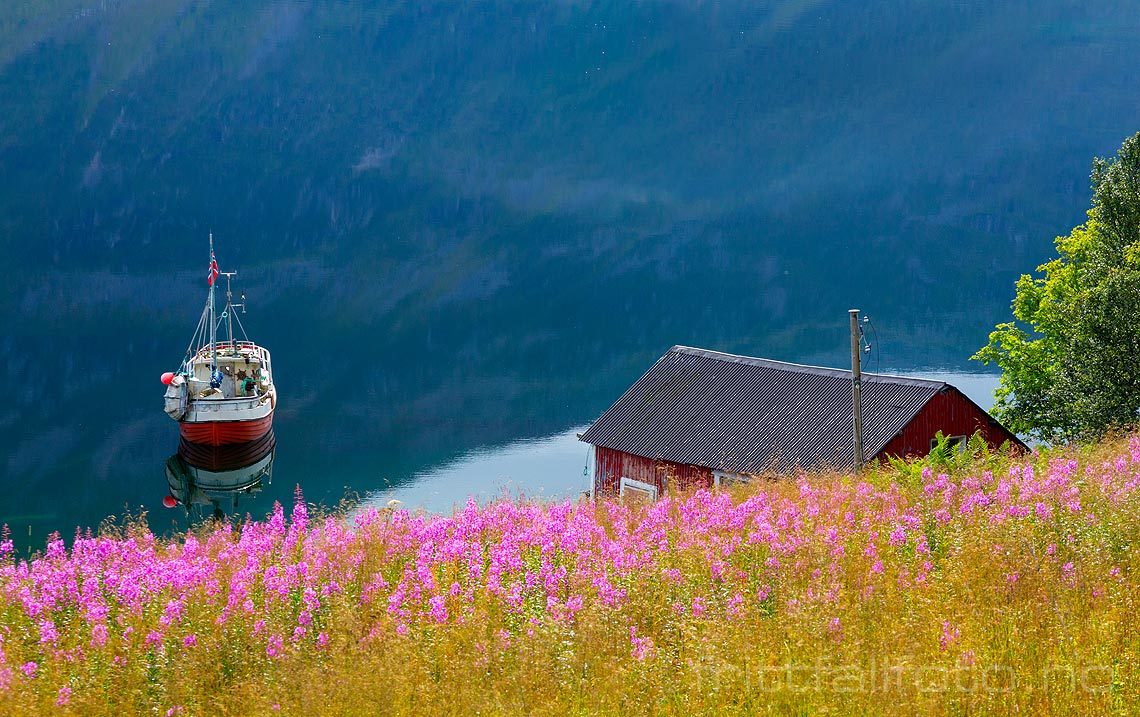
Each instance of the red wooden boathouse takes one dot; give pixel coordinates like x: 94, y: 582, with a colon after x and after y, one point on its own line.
x: 697, y: 417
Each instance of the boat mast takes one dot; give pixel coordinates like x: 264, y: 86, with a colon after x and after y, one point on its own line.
x: 210, y: 303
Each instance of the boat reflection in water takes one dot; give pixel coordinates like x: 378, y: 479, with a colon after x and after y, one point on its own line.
x: 207, y: 479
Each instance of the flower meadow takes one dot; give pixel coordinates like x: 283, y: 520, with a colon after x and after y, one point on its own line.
x: 1005, y: 584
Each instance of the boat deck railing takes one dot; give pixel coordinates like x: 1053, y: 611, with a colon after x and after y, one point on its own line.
x: 229, y: 348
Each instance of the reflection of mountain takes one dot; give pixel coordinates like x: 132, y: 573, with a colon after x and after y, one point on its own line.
x: 214, y: 477
x: 464, y: 223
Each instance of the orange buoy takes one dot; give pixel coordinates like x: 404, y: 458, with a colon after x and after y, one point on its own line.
x: 167, y: 377
x: 169, y: 501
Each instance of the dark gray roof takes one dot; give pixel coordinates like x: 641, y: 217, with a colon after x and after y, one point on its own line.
x: 748, y: 415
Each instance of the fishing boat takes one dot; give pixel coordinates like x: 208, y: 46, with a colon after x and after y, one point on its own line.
x: 223, y: 391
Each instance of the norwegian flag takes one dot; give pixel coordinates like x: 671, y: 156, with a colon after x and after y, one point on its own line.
x: 213, y: 273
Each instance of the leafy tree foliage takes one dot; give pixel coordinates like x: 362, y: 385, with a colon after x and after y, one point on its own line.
x: 1070, y: 360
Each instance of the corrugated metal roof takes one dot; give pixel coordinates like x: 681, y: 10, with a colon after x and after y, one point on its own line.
x: 748, y: 415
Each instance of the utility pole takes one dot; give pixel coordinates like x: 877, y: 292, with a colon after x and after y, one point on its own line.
x: 856, y: 385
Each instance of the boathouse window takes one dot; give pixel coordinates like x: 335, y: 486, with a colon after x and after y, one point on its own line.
x: 722, y: 478
x: 629, y: 486
x: 958, y: 442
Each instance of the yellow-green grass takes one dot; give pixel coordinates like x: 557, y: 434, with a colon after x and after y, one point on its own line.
x: 999, y: 585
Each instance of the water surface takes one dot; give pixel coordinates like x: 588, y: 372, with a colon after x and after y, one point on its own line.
x: 464, y: 225
x: 560, y: 466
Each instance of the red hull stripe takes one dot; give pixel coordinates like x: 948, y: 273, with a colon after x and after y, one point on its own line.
x: 217, y: 433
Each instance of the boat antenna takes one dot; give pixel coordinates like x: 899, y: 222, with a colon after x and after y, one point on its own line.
x: 227, y: 314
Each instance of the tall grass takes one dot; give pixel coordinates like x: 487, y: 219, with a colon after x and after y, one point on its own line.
x: 1001, y: 585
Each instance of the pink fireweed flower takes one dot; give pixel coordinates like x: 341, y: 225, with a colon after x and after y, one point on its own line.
x: 275, y: 647
x: 716, y: 567
x: 300, y: 511
x: 949, y: 634
x: 698, y: 606
x: 29, y: 668
x: 1051, y: 549
x: 877, y: 567
x: 641, y: 647
x: 1017, y: 511
x: 172, y: 614
x: 438, y: 608
x: 734, y: 606
x: 322, y: 639
x: 190, y: 640
x: 98, y: 635
x: 63, y: 697
x: 897, y: 536
x: 48, y: 633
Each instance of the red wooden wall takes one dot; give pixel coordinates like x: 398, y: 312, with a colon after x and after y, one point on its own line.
x: 611, y: 465
x: 950, y: 412
x: 953, y: 414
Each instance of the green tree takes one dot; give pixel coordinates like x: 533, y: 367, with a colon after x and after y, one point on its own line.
x: 1070, y: 360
